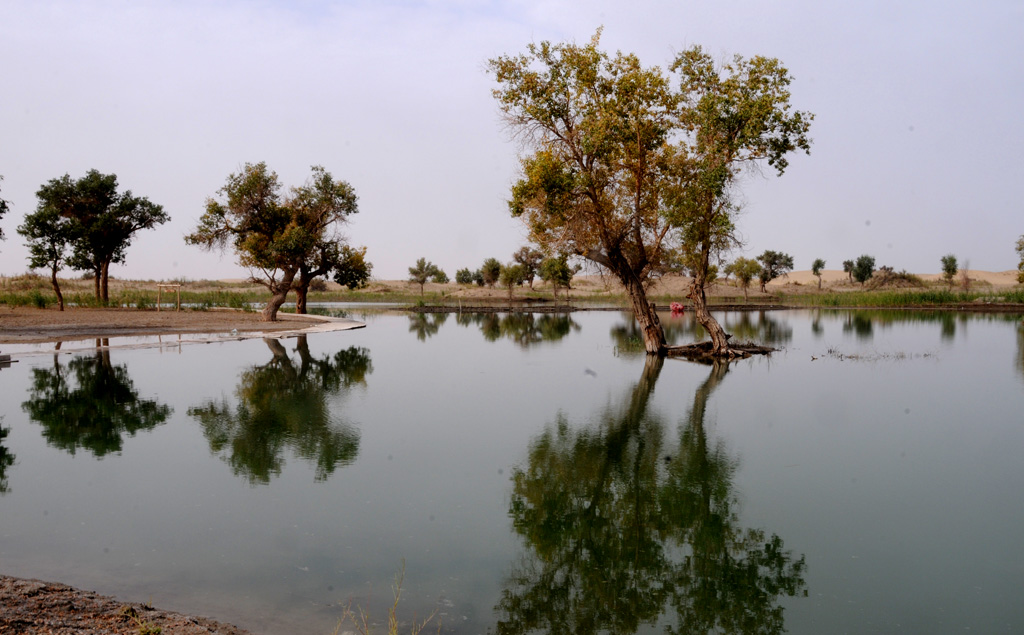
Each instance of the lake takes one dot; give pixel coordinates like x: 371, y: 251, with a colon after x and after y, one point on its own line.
x: 535, y: 473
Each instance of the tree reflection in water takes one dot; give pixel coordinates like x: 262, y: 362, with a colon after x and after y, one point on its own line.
x: 6, y: 460
x: 90, y: 403
x: 1020, y: 347
x: 426, y: 325
x: 284, y: 404
x: 622, y: 530
x: 525, y: 329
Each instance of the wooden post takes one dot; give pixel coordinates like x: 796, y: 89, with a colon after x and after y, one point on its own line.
x: 177, y: 291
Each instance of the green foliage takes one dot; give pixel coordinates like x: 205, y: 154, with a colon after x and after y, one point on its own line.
x: 423, y: 271
x: 745, y: 270
x: 440, y: 277
x: 279, y: 237
x: 626, y: 169
x: 353, y: 270
x: 464, y: 276
x: 1020, y: 254
x: 490, y: 271
x: 99, y: 223
x: 38, y: 300
x: 511, y: 276
x: 287, y: 403
x: 6, y: 460
x: 848, y: 268
x: 773, y: 265
x: 657, y: 511
x: 530, y: 260
x: 816, y: 268
x: 863, y: 268
x: 557, y: 272
x: 949, y: 268
x: 89, y: 403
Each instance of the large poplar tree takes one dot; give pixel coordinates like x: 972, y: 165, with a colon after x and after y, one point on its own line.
x: 276, y: 236
x: 625, y: 169
x: 102, y: 221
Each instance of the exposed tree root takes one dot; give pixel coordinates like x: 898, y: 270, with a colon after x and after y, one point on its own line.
x: 704, y: 351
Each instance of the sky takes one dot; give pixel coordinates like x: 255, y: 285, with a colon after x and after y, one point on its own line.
x: 916, y: 149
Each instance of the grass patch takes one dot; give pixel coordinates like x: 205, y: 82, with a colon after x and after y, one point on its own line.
x: 360, y: 619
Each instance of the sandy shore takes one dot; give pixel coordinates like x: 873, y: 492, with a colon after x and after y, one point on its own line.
x: 35, y: 607
x: 22, y: 325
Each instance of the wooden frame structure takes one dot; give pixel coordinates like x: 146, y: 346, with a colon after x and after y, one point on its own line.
x: 177, y: 291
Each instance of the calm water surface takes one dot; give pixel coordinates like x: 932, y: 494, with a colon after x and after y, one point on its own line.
x: 536, y: 474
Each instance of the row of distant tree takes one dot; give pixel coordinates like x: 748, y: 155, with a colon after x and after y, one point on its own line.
x: 527, y: 264
x: 286, y: 240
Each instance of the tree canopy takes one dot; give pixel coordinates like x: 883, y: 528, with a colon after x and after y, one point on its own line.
x: 773, y: 265
x: 278, y: 237
x: 102, y: 221
x: 490, y: 271
x: 47, y: 235
x: 863, y: 268
x: 745, y: 269
x: 557, y: 272
x: 624, y: 169
x: 949, y: 269
x: 816, y: 268
x: 425, y: 270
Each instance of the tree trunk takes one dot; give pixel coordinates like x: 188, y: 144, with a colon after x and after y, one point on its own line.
x: 301, y: 289
x: 719, y: 339
x: 56, y: 288
x: 104, y: 270
x: 96, y: 283
x: 646, y: 317
x: 279, y: 291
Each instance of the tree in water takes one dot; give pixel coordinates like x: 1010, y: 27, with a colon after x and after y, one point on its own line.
x: 102, y: 221
x: 287, y: 404
x: 621, y: 530
x: 624, y: 170
x: 282, y: 240
x: 90, y: 403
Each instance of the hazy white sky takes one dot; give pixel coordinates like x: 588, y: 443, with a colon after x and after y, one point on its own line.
x: 917, y: 140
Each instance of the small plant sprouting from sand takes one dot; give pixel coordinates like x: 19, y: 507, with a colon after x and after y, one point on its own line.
x: 361, y: 621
